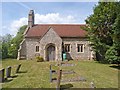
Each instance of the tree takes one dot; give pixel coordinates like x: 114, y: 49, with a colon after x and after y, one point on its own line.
x: 100, y: 28
x: 9, y: 45
x: 19, y: 37
x: 15, y: 42
x: 12, y: 51
x: 113, y: 53
x: 0, y: 47
x: 5, y: 44
x: 7, y: 38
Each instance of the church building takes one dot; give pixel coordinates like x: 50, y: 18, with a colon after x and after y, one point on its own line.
x: 50, y: 41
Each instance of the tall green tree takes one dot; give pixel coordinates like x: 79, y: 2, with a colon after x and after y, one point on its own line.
x: 5, y: 44
x: 0, y: 52
x: 9, y: 45
x: 15, y: 42
x: 113, y: 53
x: 100, y: 27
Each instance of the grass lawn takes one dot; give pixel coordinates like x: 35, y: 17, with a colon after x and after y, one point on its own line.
x: 36, y: 74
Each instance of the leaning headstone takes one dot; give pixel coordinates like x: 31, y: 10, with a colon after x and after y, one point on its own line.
x: 18, y: 68
x: 8, y: 72
x: 2, y: 75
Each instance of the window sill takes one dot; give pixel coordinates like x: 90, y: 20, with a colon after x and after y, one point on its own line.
x: 80, y: 52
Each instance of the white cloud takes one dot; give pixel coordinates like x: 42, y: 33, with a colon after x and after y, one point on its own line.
x: 54, y: 18
x: 39, y: 19
x: 15, y: 25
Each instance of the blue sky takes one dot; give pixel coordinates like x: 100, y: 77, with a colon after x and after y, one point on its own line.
x: 14, y: 14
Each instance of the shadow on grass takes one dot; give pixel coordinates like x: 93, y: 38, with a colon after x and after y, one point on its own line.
x: 22, y: 72
x: 10, y: 78
x: 66, y: 86
x: 7, y: 80
x: 14, y: 76
x: 115, y: 66
x: 102, y: 62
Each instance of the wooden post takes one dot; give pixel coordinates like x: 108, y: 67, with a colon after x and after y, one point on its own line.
x: 58, y: 79
x: 8, y: 72
x: 17, y: 70
x: 50, y: 73
x: 2, y: 75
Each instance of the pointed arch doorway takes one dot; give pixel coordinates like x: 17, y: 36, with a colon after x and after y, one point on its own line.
x: 50, y: 52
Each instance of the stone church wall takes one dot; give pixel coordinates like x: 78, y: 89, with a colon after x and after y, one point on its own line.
x: 31, y: 44
x: 73, y: 54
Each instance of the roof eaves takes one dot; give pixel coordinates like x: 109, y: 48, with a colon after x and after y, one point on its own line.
x: 26, y: 30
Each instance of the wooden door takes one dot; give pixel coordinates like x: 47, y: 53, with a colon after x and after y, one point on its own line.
x: 51, y: 53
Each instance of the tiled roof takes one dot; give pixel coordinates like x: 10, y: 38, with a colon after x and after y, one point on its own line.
x: 63, y: 30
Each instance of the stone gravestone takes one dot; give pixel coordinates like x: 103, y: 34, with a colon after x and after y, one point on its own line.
x: 8, y: 72
x: 18, y: 68
x: 2, y: 75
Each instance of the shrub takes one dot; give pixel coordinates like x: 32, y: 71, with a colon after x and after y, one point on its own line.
x: 112, y: 56
x: 39, y: 59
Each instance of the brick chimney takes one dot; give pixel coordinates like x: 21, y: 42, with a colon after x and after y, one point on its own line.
x: 31, y: 19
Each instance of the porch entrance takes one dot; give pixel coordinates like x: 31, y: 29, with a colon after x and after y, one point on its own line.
x: 51, y: 52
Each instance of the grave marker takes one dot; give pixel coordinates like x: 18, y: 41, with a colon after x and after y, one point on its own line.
x: 2, y: 75
x: 8, y: 72
x: 18, y: 68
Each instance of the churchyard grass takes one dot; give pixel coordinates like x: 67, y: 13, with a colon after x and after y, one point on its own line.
x: 35, y: 74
